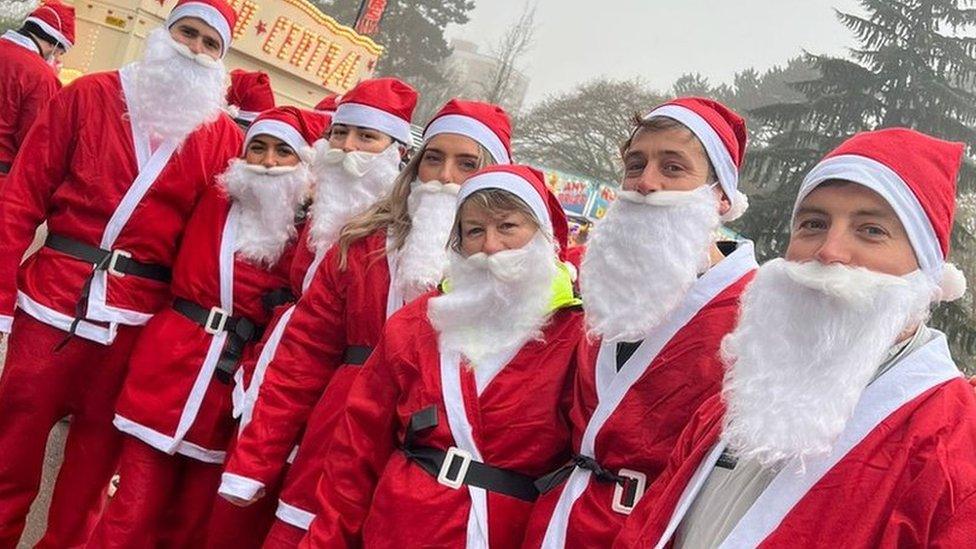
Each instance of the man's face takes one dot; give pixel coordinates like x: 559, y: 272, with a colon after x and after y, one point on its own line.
x: 664, y: 160
x: 849, y: 224
x: 356, y: 138
x: 198, y: 36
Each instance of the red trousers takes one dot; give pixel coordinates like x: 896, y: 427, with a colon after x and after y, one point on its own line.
x: 162, y: 500
x: 284, y: 536
x: 38, y: 387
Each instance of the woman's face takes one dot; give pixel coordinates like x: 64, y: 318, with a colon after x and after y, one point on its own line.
x: 270, y: 152
x: 449, y: 158
x: 489, y: 232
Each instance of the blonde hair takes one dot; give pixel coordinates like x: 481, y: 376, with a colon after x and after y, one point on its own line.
x: 496, y: 202
x: 392, y: 212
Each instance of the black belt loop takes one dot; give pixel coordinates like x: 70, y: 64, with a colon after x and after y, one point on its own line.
x: 239, y: 330
x: 4, y: 168
x: 356, y: 355
x: 455, y: 467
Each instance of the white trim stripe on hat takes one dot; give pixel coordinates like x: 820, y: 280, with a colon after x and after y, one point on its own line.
x: 365, y: 116
x: 250, y: 116
x: 276, y: 128
x: 46, y: 27
x: 472, y: 128
x: 209, y: 14
x: 893, y: 189
x: 728, y: 174
x: 512, y: 183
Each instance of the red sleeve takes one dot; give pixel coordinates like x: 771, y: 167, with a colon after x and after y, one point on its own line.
x: 28, y: 189
x: 363, y: 442
x: 31, y: 104
x: 310, y: 351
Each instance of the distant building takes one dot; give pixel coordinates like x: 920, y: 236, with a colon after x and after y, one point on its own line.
x: 474, y: 70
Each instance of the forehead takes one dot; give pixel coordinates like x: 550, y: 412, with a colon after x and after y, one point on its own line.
x: 266, y: 139
x: 472, y: 211
x: 846, y: 198
x: 678, y: 139
x: 453, y: 144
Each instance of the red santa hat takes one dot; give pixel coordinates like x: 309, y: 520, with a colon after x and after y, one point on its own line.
x: 485, y: 123
x: 529, y: 185
x: 57, y: 20
x: 216, y: 13
x: 382, y: 104
x: 298, y: 128
x: 329, y: 104
x: 722, y: 132
x: 249, y: 94
x: 916, y: 174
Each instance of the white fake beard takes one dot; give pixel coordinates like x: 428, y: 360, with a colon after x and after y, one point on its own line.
x: 496, y: 303
x: 268, y: 199
x: 174, y: 91
x: 810, y: 338
x: 346, y: 185
x: 423, y: 259
x: 642, y: 258
x: 16, y: 11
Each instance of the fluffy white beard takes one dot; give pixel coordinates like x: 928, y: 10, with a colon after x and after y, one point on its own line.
x: 346, y: 185
x: 15, y: 11
x: 423, y: 259
x: 268, y: 199
x: 497, y: 303
x: 642, y: 258
x: 810, y: 338
x: 174, y: 91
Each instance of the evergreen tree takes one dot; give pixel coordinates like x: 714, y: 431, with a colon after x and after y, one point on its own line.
x: 914, y: 67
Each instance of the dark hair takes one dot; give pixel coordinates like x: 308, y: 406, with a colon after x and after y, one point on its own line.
x: 32, y: 28
x: 660, y: 124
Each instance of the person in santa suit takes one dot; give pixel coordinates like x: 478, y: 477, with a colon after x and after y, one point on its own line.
x: 341, y: 315
x: 118, y: 161
x: 328, y: 104
x: 249, y: 95
x: 175, y: 403
x: 660, y: 294
x: 460, y: 408
x: 843, y: 420
x: 27, y: 81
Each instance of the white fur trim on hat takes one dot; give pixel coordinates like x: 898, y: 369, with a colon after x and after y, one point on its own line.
x: 728, y: 174
x: 250, y: 116
x: 55, y: 33
x: 365, y: 116
x: 276, y: 128
x: 472, y: 128
x: 512, y: 183
x: 739, y: 206
x: 893, y: 189
x: 209, y: 14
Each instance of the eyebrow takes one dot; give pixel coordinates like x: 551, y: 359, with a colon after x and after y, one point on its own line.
x: 874, y: 212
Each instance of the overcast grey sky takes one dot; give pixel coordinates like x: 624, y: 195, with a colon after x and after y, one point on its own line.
x: 659, y: 40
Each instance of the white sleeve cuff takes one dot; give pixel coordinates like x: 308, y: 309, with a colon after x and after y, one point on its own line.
x: 6, y: 323
x: 239, y: 487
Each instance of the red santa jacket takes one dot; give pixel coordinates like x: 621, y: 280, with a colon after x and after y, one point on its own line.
x: 631, y: 419
x: 171, y: 398
x: 339, y: 310
x: 902, y: 473
x: 372, y: 495
x: 27, y: 83
x: 96, y: 181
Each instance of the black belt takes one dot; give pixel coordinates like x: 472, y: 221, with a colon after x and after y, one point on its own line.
x: 215, y: 320
x: 454, y: 468
x: 631, y: 483
x: 115, y: 262
x: 356, y: 355
x: 4, y: 167
x: 276, y: 298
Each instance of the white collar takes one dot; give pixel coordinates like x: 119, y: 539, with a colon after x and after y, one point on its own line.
x: 21, y: 40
